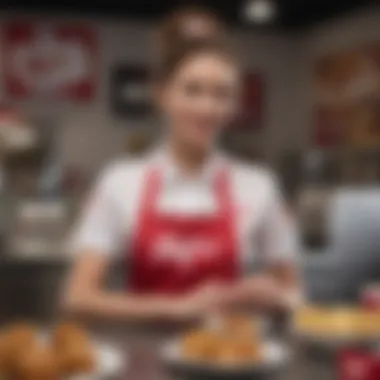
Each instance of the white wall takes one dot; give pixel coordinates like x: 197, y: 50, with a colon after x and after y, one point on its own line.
x: 90, y: 135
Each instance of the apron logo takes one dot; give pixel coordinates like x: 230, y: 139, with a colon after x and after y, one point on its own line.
x: 184, y: 251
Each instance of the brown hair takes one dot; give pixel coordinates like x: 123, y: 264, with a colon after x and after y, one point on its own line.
x: 177, y: 40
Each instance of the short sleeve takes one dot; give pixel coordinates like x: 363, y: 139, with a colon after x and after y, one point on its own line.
x: 279, y: 232
x: 98, y: 228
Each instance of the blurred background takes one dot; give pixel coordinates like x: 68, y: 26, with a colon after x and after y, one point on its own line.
x: 74, y: 90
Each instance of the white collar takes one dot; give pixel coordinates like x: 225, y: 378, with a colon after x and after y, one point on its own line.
x: 172, y: 173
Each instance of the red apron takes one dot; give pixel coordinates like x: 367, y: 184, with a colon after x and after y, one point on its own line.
x: 173, y: 253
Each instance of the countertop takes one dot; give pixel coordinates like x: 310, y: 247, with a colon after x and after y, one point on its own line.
x: 142, y: 348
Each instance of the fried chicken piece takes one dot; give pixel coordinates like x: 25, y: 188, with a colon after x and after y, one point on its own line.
x: 2, y: 354
x: 39, y: 362
x: 239, y: 350
x: 73, y: 348
x: 200, y: 345
x: 232, y: 339
x: 16, y: 340
x: 239, y: 325
x: 76, y: 358
x: 68, y: 334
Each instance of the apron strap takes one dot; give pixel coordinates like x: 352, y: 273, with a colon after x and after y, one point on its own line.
x: 223, y: 191
x: 149, y: 196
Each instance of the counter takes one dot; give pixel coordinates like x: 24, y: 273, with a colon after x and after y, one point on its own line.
x: 30, y: 289
x: 142, y: 349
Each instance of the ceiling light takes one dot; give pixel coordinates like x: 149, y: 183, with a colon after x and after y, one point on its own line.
x: 259, y: 11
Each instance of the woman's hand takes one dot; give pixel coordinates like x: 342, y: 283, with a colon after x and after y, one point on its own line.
x: 202, y: 302
x: 259, y: 291
x: 262, y: 291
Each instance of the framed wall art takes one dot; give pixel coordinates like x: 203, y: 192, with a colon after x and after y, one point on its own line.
x: 50, y: 60
x: 130, y: 91
x: 347, y: 98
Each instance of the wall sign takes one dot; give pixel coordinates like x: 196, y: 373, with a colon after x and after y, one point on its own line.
x: 129, y: 92
x: 251, y: 116
x: 49, y: 61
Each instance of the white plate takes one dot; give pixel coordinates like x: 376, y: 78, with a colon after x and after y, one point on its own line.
x: 110, y: 362
x: 275, y: 356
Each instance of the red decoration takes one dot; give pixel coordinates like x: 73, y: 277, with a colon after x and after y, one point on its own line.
x: 358, y: 365
x: 328, y: 129
x: 252, y: 102
x: 370, y: 297
x: 57, y: 60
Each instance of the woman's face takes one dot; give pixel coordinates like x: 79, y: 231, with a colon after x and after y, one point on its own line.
x: 200, y: 98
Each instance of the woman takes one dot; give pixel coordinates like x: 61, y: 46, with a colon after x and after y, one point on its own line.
x: 186, y: 217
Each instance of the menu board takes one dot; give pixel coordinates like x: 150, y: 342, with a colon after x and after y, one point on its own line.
x: 130, y: 91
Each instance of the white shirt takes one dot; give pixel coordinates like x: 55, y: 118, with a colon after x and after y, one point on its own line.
x: 265, y: 230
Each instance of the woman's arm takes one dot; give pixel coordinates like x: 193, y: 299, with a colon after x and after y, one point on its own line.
x: 278, y: 285
x: 277, y: 288
x: 84, y: 296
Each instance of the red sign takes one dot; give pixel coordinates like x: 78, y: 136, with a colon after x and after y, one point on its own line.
x: 328, y: 129
x: 57, y: 60
x: 252, y: 102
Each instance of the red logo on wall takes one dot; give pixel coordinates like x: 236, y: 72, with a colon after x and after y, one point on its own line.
x: 56, y: 60
x: 252, y: 106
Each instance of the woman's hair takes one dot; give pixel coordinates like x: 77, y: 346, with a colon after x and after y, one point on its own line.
x: 189, y: 32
